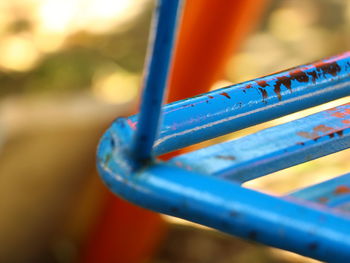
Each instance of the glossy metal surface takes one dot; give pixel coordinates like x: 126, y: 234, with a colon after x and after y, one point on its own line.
x: 193, y: 186
x: 274, y: 148
x: 286, y: 223
x: 239, y: 106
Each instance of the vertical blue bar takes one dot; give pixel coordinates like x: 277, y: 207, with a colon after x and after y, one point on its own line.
x: 156, y: 78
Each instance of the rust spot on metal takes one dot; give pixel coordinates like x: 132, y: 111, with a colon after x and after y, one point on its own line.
x: 263, y: 93
x: 262, y: 83
x: 226, y: 157
x: 342, y: 189
x: 338, y: 114
x: 283, y: 80
x: 331, y: 68
x: 340, y: 133
x: 296, y: 74
x: 308, y: 135
x: 225, y: 94
x: 299, y: 75
x: 322, y: 128
x: 343, y: 113
x: 277, y: 90
x: 313, y: 74
x: 249, y: 86
x: 210, y: 97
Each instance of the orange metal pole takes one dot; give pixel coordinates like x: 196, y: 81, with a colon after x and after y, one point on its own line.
x: 210, y: 32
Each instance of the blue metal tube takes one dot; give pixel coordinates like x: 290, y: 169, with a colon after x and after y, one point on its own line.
x: 156, y: 78
x: 316, y: 231
x: 182, y: 186
x: 222, y: 111
x: 334, y: 193
x: 300, y: 226
x: 274, y: 148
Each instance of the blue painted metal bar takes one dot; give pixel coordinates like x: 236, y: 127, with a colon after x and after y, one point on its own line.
x: 308, y: 228
x: 332, y: 193
x: 222, y: 111
x: 156, y: 78
x: 311, y: 230
x: 274, y: 148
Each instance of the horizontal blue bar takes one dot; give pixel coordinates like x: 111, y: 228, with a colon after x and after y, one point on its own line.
x: 287, y: 223
x: 274, y: 148
x: 334, y: 193
x: 239, y: 106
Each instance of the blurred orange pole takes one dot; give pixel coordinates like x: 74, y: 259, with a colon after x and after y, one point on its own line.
x: 210, y: 32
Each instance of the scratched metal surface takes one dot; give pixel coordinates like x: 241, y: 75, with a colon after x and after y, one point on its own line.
x: 239, y: 106
x: 288, y: 223
x: 291, y: 223
x: 332, y: 193
x: 275, y: 148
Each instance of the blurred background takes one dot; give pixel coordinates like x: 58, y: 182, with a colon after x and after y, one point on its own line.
x: 68, y: 68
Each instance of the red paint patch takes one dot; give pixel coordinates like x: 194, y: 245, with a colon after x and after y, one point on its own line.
x: 323, y: 128
x: 225, y: 94
x: 308, y: 135
x: 262, y: 83
x: 339, y: 114
x: 320, y: 131
x: 342, y: 189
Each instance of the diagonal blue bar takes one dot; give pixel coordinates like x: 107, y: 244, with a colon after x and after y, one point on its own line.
x: 275, y: 148
x: 332, y: 193
x: 222, y: 111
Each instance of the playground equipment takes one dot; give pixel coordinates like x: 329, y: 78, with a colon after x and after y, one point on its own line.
x: 204, y: 186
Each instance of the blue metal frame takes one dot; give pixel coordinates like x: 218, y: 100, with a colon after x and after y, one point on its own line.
x: 333, y: 193
x: 204, y: 186
x: 242, y: 105
x: 275, y: 148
